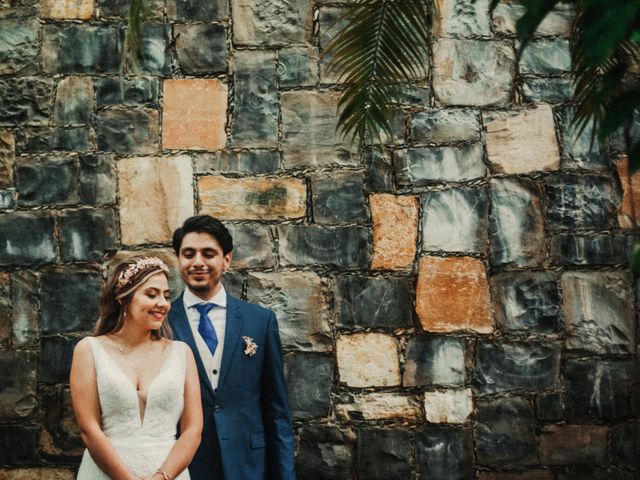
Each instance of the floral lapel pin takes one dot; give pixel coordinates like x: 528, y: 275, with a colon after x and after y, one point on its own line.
x: 250, y: 346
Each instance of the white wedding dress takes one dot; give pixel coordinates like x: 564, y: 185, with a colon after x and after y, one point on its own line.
x: 143, y: 442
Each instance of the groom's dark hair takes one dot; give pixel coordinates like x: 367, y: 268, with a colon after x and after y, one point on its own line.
x: 204, y: 224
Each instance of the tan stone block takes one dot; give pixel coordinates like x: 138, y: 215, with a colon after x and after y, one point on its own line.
x: 630, y: 205
x: 368, y: 360
x: 453, y: 294
x: 451, y: 406
x: 64, y: 9
x: 521, y: 142
x: 381, y: 406
x: 252, y: 198
x: 195, y: 114
x: 573, y: 445
x: 156, y: 196
x: 7, y: 158
x: 395, y: 231
x: 36, y: 474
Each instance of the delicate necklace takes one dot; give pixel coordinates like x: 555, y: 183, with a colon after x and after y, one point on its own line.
x: 148, y: 354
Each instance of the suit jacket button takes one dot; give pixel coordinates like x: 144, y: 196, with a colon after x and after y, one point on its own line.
x: 217, y: 408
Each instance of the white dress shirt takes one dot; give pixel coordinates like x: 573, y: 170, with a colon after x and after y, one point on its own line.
x: 218, y: 317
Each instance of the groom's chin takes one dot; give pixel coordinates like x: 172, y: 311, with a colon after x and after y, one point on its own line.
x: 198, y: 287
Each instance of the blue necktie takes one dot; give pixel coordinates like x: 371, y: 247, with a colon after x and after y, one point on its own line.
x: 205, y: 328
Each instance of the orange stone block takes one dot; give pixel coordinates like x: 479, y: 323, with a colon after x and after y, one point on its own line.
x: 194, y: 115
x: 453, y: 294
x: 395, y: 231
x: 67, y: 9
x: 630, y: 205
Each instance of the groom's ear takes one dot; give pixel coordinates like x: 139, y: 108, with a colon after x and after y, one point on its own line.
x: 227, y: 259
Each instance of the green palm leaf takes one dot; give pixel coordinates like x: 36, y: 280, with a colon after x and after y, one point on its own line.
x: 382, y: 48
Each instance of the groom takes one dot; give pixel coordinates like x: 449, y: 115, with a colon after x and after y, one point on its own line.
x: 247, y: 430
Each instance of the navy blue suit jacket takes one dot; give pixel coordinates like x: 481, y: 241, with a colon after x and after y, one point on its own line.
x: 247, y: 432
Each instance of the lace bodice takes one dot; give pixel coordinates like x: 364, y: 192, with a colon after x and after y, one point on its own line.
x: 142, y: 439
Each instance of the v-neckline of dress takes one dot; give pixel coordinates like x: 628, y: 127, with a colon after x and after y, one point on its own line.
x: 141, y: 416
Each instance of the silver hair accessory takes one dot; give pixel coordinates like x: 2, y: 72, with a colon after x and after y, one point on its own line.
x: 140, y: 264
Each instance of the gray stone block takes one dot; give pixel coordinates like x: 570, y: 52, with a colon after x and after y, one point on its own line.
x: 300, y: 302
x: 501, y: 367
x: 86, y: 235
x: 254, y: 161
x: 341, y: 247
x: 378, y: 170
x: 309, y: 379
x: 526, y: 301
x: 455, y: 220
x: 324, y: 453
x: 463, y: 18
x: 37, y: 248
x: 255, y: 114
x: 201, y: 48
x: 383, y: 454
x: 584, y: 201
x: 580, y: 151
x: 298, y: 67
x: 78, y: 48
x: 128, y: 131
x: 252, y: 246
x: 434, y: 360
x: 25, y: 100
x: 272, y: 22
x: 5, y: 309
x: 418, y: 167
x: 136, y: 91
x: 338, y: 198
x: 44, y: 139
x: 155, y: 40
x: 7, y: 200
x: 70, y: 301
x: 18, y: 445
x: 598, y: 312
x: 595, y: 249
x: 197, y: 10
x: 505, y: 432
x: 625, y: 441
x: 55, y: 358
x: 445, y: 126
x: 547, y: 90
x: 47, y: 181
x: 374, y: 302
x: 97, y: 179
x: 598, y: 388
x: 25, y: 301
x: 19, y: 47
x: 549, y: 407
x: 18, y: 376
x: 546, y: 57
x: 445, y: 453
x: 517, y: 223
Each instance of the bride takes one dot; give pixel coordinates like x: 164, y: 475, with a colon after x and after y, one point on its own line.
x: 132, y: 388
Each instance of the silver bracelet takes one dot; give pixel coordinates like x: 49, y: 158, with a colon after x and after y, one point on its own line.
x: 164, y: 474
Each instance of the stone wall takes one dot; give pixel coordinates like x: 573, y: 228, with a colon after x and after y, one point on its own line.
x: 454, y: 306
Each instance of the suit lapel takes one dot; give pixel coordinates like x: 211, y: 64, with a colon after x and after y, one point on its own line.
x: 233, y: 329
x: 180, y: 324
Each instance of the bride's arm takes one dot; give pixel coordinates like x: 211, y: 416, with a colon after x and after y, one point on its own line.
x: 185, y: 447
x: 86, y: 405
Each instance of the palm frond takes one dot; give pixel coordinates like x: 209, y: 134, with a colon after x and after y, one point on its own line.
x: 132, y: 44
x: 383, y: 47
